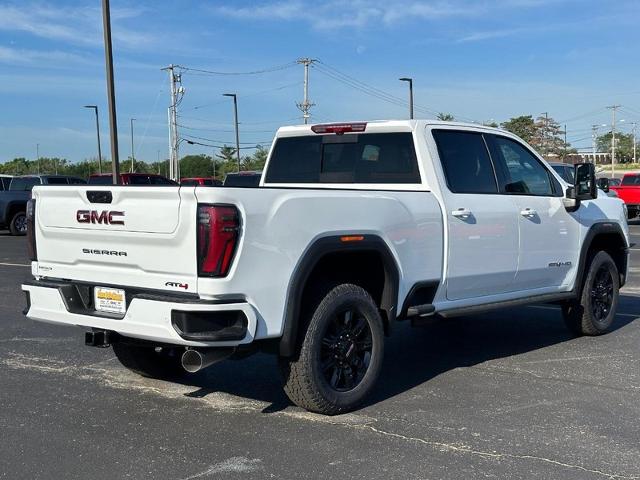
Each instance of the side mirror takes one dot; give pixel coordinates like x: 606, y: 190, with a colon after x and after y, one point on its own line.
x: 603, y: 184
x: 585, y: 181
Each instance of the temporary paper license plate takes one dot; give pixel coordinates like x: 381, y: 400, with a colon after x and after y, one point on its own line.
x: 110, y: 300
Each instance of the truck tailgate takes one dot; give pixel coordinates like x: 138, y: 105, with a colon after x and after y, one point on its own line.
x: 115, y: 235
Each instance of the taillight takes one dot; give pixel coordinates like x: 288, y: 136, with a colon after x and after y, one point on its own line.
x: 339, y: 128
x: 31, y: 232
x: 218, y: 230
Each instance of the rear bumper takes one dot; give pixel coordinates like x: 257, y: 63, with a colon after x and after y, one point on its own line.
x: 153, y: 317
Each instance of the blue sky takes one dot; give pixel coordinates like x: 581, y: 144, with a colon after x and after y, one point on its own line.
x: 479, y: 60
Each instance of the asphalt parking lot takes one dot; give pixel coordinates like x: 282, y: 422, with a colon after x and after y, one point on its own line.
x: 503, y: 395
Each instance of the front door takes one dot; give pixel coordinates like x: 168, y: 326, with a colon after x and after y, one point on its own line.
x: 482, y: 223
x: 549, y: 235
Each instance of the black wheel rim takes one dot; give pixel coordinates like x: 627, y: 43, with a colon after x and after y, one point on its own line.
x: 21, y: 224
x: 602, y: 294
x: 346, y: 350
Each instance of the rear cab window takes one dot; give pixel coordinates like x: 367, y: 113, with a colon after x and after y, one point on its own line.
x: 363, y: 158
x: 24, y: 184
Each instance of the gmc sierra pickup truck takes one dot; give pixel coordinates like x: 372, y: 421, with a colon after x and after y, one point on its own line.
x: 353, y: 228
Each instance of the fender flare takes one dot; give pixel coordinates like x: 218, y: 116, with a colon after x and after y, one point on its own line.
x: 310, y: 259
x: 596, y: 229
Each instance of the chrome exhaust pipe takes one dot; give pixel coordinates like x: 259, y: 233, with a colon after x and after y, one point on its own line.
x: 193, y: 360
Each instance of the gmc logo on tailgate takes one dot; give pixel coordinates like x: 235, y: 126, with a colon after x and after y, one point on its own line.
x: 104, y: 217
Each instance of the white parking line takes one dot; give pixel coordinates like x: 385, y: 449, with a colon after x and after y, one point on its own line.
x: 14, y: 264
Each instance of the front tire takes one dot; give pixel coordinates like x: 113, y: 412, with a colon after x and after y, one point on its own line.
x: 341, y: 354
x: 18, y: 224
x: 149, y: 361
x: 594, y: 313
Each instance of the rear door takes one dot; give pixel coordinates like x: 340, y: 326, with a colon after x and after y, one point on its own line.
x: 143, y: 237
x: 549, y: 235
x: 482, y: 223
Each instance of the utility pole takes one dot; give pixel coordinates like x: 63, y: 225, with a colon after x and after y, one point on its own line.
x: 613, y: 109
x: 95, y: 107
x: 111, y: 93
x: 565, y: 140
x: 38, y: 156
x: 594, y: 140
x: 634, y: 140
x: 235, y: 117
x: 174, y: 141
x: 410, y: 80
x: 305, y: 106
x: 132, y: 151
x: 545, y: 132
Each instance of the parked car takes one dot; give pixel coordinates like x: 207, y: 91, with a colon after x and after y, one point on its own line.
x: 130, y: 179
x: 629, y: 192
x: 565, y: 171
x: 243, y: 179
x: 356, y: 226
x: 13, y: 200
x: 201, y: 181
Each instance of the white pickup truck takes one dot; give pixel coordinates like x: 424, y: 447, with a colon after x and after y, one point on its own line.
x: 353, y: 228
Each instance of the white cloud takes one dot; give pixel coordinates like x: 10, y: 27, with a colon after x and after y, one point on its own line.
x: 15, y: 56
x: 333, y: 14
x: 74, y: 25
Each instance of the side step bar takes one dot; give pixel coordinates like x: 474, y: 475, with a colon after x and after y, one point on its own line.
x: 421, y: 310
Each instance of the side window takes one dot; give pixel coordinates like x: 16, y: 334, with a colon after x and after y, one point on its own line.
x: 465, y: 161
x: 524, y: 174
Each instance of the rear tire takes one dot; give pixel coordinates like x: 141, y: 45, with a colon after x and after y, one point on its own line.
x: 18, y: 224
x: 594, y: 313
x: 340, y: 355
x: 146, y: 361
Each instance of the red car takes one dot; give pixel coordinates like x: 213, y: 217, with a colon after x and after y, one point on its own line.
x: 201, y: 181
x: 629, y: 192
x: 130, y: 179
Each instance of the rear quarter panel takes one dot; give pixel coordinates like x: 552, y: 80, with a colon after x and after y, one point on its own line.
x: 279, y: 226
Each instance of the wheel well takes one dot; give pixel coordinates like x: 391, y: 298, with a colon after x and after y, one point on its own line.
x: 13, y: 209
x: 614, y: 245
x: 362, y: 268
x: 369, y: 264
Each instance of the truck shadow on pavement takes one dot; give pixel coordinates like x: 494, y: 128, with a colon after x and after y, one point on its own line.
x: 413, y: 356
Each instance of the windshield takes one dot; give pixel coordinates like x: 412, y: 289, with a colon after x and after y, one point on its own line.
x: 236, y: 180
x: 631, y: 180
x: 100, y: 180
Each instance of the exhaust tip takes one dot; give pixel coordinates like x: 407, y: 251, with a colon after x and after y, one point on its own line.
x: 192, y: 361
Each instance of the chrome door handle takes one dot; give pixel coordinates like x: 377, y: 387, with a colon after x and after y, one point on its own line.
x: 461, y: 213
x: 528, y: 212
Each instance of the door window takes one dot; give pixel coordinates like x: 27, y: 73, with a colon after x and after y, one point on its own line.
x: 524, y: 174
x: 465, y: 161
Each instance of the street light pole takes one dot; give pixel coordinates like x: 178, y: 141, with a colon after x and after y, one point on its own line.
x: 235, y: 116
x: 95, y: 108
x: 132, y: 151
x: 410, y: 81
x: 111, y: 94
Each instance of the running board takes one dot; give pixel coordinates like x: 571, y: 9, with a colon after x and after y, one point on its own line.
x: 421, y: 310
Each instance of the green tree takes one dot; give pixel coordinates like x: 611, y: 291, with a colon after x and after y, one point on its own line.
x: 523, y: 126
x: 445, y: 117
x: 196, y: 166
x: 257, y: 160
x: 624, y: 145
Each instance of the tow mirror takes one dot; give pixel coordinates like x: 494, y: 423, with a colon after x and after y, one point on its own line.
x: 585, y: 181
x: 603, y: 184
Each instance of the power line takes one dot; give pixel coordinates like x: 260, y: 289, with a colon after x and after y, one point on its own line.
x: 253, y: 72
x: 194, y: 142
x: 221, y: 141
